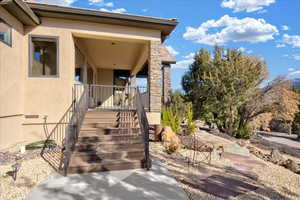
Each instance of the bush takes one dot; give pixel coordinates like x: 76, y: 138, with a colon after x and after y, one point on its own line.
x: 245, y: 133
x: 41, y: 144
x: 191, y: 126
x: 171, y: 118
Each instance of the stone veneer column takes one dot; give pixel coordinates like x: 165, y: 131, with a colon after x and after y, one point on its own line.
x: 154, y: 73
x: 167, y: 82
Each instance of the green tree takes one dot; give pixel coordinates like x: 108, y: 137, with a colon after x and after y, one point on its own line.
x: 221, y: 85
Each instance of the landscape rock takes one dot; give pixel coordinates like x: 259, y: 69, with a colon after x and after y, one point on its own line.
x: 170, y: 140
x: 292, y: 165
x: 276, y: 157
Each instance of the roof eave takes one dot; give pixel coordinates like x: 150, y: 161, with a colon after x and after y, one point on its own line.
x: 21, y: 11
x: 166, y: 26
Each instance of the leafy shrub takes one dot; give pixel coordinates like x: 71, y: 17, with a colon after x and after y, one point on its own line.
x: 191, y: 126
x: 171, y: 118
x: 244, y: 133
x: 296, y: 124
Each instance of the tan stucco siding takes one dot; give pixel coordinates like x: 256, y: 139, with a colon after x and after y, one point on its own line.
x: 49, y: 96
x: 11, y: 83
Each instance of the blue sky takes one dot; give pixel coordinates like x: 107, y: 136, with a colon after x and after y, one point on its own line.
x: 265, y: 28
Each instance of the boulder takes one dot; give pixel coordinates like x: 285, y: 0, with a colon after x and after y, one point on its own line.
x: 170, y: 140
x: 157, y: 132
x: 292, y: 165
x: 276, y: 157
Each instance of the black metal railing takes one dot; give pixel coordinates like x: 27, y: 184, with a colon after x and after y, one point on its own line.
x: 81, y: 107
x: 54, y: 144
x: 112, y: 97
x: 60, y: 142
x: 144, y: 126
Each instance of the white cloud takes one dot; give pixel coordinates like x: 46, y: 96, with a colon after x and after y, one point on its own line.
x: 96, y: 2
x: 172, y: 51
x: 242, y: 49
x: 262, y: 11
x: 232, y: 29
x: 280, y: 45
x: 294, y: 74
x: 246, y: 5
x: 245, y: 50
x: 285, y: 28
x: 190, y: 56
x: 118, y: 10
x: 291, y: 69
x: 144, y: 10
x: 296, y: 57
x: 101, y: 3
x: 109, y: 4
x: 184, y: 64
x: 293, y: 40
x: 57, y: 2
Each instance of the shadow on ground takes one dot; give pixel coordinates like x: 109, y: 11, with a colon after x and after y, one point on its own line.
x: 118, y: 185
x: 223, y: 183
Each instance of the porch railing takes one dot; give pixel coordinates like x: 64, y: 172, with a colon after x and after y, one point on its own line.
x: 144, y: 126
x: 60, y: 142
x: 112, y: 97
x: 81, y: 107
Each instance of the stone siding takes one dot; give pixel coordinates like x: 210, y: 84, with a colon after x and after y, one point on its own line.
x: 155, y: 87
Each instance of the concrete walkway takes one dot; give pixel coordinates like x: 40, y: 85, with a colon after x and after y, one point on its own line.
x: 138, y: 184
x: 281, y: 138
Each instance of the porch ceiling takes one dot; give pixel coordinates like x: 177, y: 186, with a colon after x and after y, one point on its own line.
x: 112, y: 54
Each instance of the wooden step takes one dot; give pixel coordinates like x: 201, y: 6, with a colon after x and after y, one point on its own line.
x: 137, y: 154
x: 104, y: 138
x: 106, y: 165
x: 109, y: 146
x: 109, y: 131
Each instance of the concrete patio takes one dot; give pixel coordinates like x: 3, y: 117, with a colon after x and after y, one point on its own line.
x: 138, y: 184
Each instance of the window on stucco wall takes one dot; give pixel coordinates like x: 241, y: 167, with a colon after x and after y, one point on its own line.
x: 43, y: 56
x: 5, y: 33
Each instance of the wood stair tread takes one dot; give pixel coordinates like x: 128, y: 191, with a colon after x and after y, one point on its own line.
x: 132, y: 141
x: 109, y: 151
x: 103, y: 162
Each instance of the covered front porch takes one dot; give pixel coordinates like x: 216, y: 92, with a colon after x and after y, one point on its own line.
x: 115, y: 68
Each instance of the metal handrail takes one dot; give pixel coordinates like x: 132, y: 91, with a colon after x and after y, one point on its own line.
x: 80, y: 109
x: 144, y: 126
x: 65, y: 133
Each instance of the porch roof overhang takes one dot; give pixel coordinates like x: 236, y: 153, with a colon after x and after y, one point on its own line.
x: 166, y: 26
x: 21, y: 11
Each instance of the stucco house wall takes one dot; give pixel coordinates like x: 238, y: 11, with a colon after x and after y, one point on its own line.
x: 11, y: 83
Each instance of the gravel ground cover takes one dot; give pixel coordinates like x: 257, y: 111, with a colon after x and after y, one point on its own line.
x: 260, y: 142
x: 273, y: 182
x: 32, y: 172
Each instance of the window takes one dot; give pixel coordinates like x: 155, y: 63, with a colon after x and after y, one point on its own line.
x: 43, y: 56
x: 5, y: 32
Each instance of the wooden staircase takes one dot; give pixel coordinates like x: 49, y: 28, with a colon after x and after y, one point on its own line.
x: 108, y: 141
